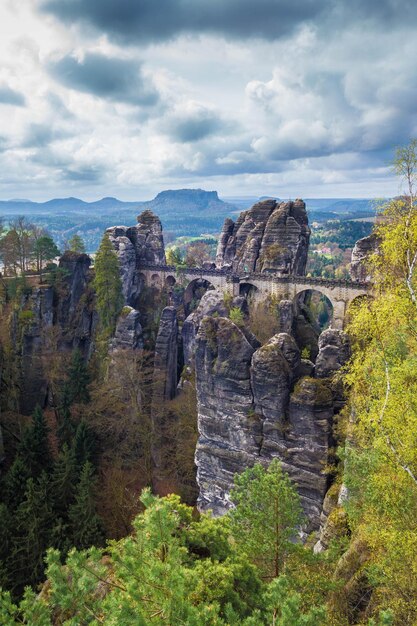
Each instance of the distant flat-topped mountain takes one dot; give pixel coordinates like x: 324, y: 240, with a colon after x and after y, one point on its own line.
x: 184, y: 200
x: 181, y: 200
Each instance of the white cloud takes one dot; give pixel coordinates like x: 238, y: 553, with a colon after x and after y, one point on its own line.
x: 315, y: 112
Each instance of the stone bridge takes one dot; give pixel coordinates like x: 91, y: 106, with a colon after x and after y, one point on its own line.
x: 259, y: 285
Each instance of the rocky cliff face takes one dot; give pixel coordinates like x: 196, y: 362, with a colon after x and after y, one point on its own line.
x: 256, y: 404
x: 361, y: 252
x: 53, y: 319
x: 271, y: 236
x: 212, y: 303
x: 75, y: 314
x: 137, y: 246
x: 230, y: 435
x: 165, y: 380
x: 128, y: 334
x: 30, y: 334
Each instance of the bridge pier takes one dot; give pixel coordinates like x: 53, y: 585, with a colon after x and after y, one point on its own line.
x: 339, y: 310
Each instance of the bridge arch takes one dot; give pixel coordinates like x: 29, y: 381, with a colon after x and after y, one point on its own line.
x: 170, y: 280
x: 194, y: 291
x: 248, y: 290
x: 315, y: 304
x: 156, y: 280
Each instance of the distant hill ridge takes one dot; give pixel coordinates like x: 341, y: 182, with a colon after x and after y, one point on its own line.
x: 169, y: 200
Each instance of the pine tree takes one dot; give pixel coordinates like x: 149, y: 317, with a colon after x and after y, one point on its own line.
x: 84, y: 445
x: 266, y: 516
x: 32, y: 534
x: 76, y: 244
x: 66, y: 428
x: 86, y: 525
x: 5, y: 544
x: 34, y: 447
x: 14, y: 485
x: 63, y: 481
x: 108, y: 285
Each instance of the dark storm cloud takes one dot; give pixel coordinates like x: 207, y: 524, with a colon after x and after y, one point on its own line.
x: 197, y: 125
x: 139, y: 21
x: 10, y: 96
x: 83, y: 174
x: 115, y: 79
x: 147, y: 20
x: 41, y: 135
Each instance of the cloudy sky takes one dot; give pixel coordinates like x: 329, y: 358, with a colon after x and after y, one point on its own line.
x: 128, y: 97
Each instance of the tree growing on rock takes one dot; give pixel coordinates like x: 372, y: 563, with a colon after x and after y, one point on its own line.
x: 44, y: 249
x: 108, y: 285
x: 76, y: 244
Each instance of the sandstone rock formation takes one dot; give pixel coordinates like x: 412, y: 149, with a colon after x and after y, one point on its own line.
x: 334, y: 352
x: 230, y: 434
x: 75, y: 315
x: 212, y: 303
x: 128, y: 334
x: 136, y: 247
x: 286, y: 315
x: 69, y: 309
x: 165, y: 380
x: 250, y: 411
x: 362, y: 250
x: 30, y: 330
x: 166, y: 355
x: 271, y: 236
x: 309, y: 438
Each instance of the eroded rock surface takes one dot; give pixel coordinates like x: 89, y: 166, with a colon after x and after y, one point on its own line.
x: 334, y: 352
x: 249, y: 411
x: 361, y: 252
x: 136, y: 247
x: 309, y: 438
x: 53, y: 320
x: 213, y: 302
x: 229, y: 433
x: 165, y: 380
x: 128, y: 334
x: 271, y: 236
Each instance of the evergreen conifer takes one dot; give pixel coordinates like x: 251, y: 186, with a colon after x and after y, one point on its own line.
x: 86, y: 525
x: 108, y: 285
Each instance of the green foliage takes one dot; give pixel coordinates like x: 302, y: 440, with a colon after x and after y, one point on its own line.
x: 26, y: 317
x: 63, y: 480
x: 267, y: 514
x: 78, y: 379
x: 84, y: 444
x: 44, y: 250
x: 237, y: 316
x: 306, y: 352
x: 14, y: 484
x: 76, y: 244
x: 32, y: 534
x: 107, y: 285
x: 34, y: 448
x: 381, y: 460
x: 283, y: 607
x: 173, y: 569
x: 86, y: 525
x: 174, y: 256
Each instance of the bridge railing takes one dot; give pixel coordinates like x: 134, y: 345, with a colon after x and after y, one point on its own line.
x: 260, y: 276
